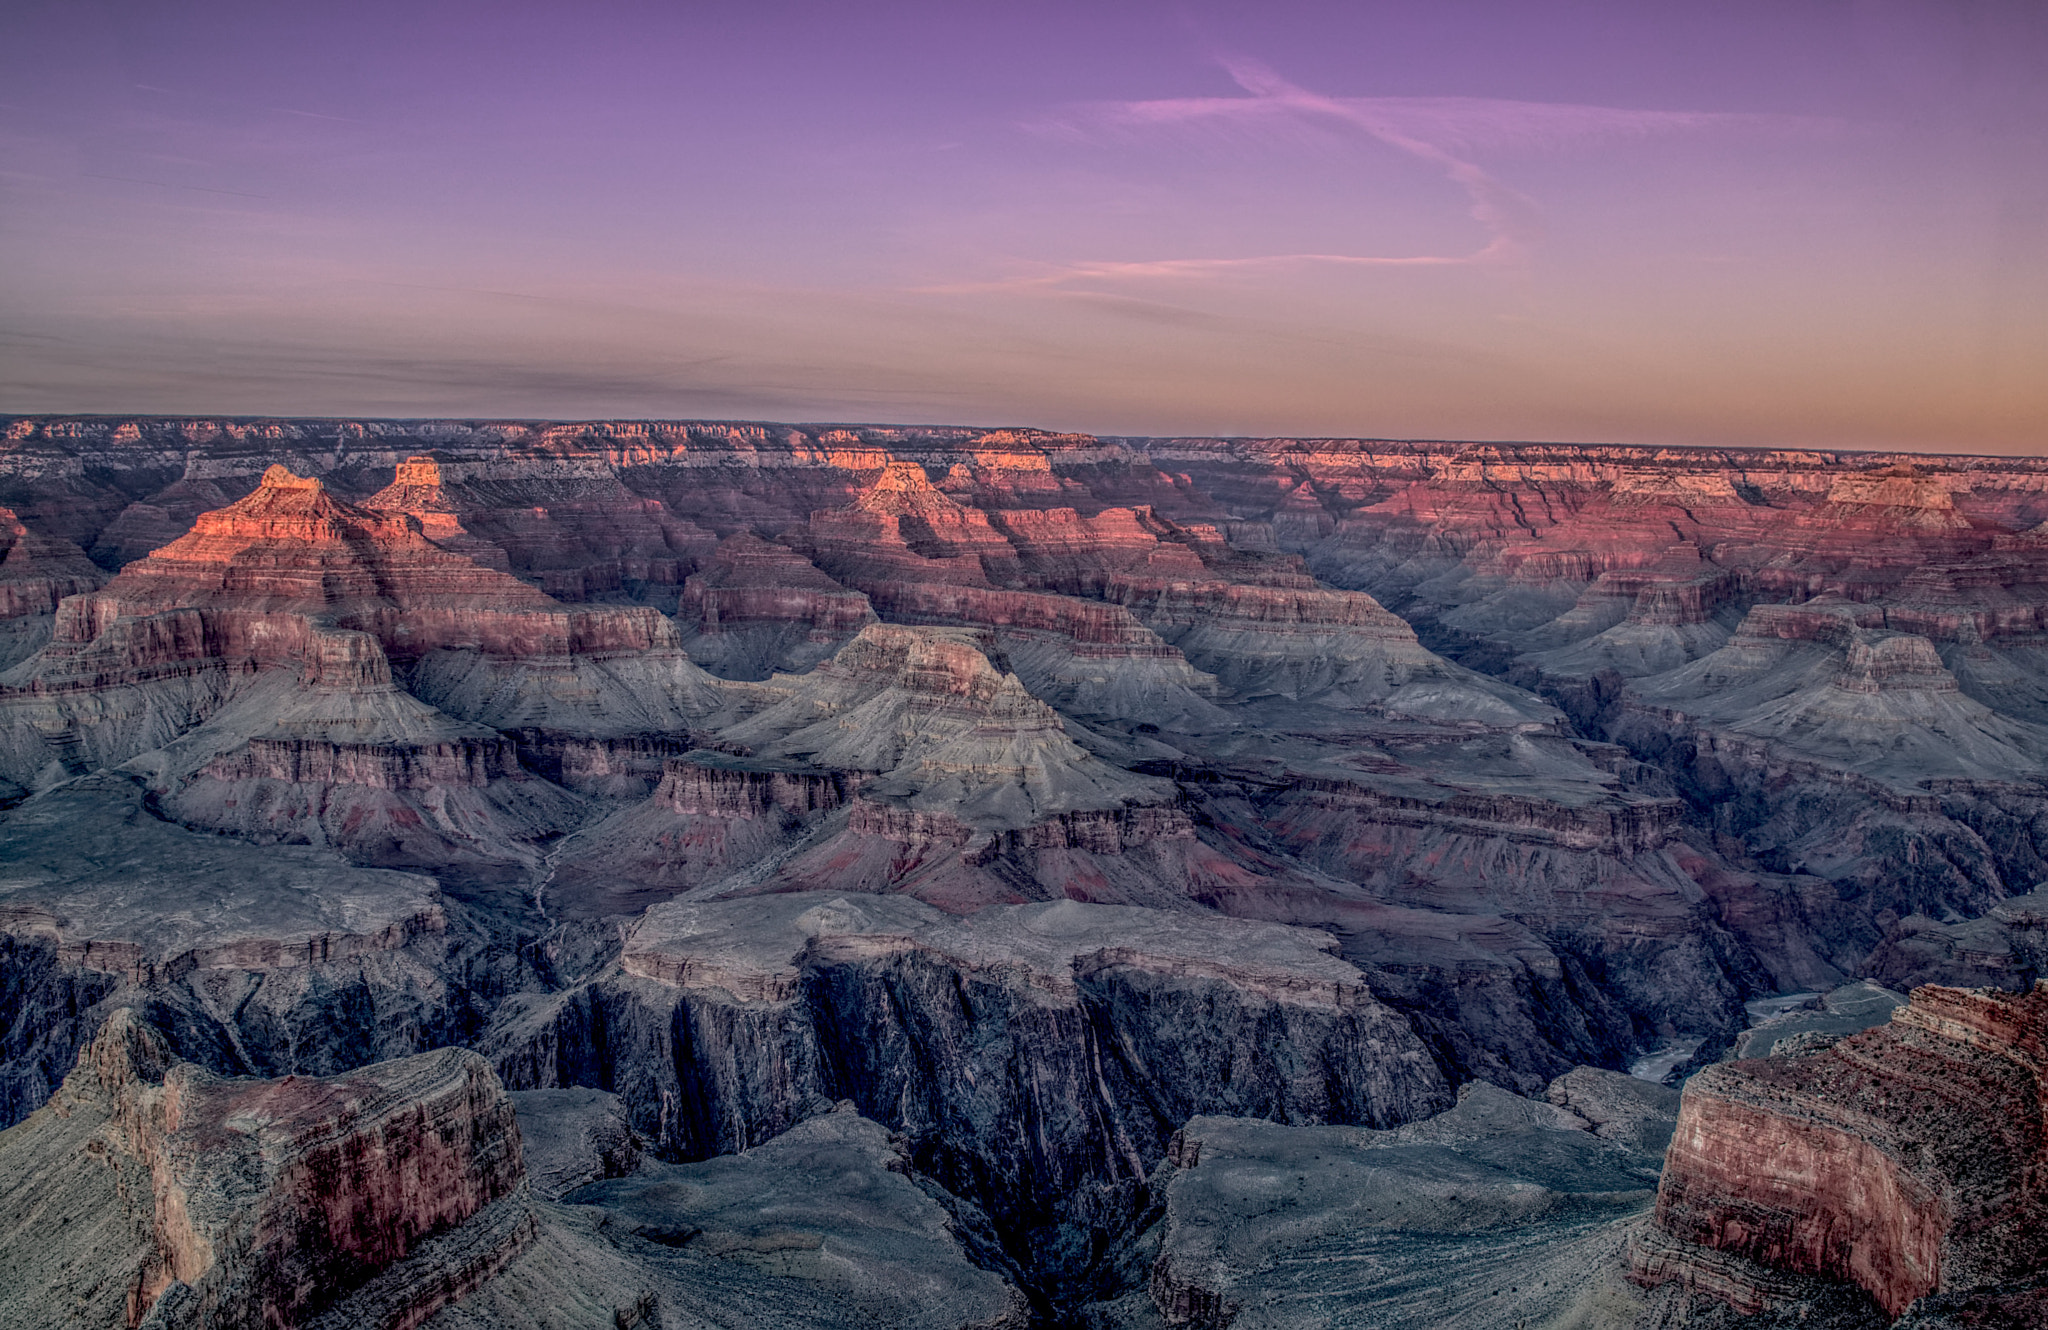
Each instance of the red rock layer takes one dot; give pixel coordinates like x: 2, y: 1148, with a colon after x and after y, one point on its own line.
x: 270, y: 1197
x: 463, y: 763
x: 902, y: 528
x: 246, y: 584
x: 731, y: 788
x: 1911, y: 1159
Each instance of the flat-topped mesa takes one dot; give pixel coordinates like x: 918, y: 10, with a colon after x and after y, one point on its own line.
x: 756, y: 949
x: 260, y: 1202
x: 1908, y: 1159
x: 1886, y: 662
x: 719, y: 785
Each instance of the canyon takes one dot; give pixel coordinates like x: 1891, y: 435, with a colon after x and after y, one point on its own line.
x: 826, y: 861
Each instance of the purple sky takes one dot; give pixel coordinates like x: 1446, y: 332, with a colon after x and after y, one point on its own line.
x: 1801, y: 222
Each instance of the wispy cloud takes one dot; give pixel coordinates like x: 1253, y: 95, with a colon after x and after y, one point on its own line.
x: 1444, y: 132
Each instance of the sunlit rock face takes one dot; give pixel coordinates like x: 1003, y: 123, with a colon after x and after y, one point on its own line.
x: 352, y: 740
x: 1905, y: 1160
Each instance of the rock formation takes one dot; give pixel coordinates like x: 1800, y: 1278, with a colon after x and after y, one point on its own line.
x: 36, y: 572
x: 210, y: 1202
x: 1497, y: 1212
x: 986, y: 1041
x: 571, y: 529
x: 385, y: 736
x: 1905, y: 1160
x: 754, y: 608
x: 255, y: 586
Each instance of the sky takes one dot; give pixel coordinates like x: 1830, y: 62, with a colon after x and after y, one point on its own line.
x: 1794, y: 223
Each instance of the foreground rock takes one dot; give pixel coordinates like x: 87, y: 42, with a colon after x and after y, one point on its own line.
x: 1906, y: 1160
x: 1500, y: 1212
x: 1036, y: 1059
x: 263, y: 960
x: 152, y: 1189
x: 819, y: 1227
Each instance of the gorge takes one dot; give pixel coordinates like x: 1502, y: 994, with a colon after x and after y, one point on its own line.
x: 814, y: 875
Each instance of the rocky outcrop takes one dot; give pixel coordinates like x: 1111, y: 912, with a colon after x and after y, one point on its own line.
x: 1035, y: 1058
x: 1360, y: 685
x: 757, y: 607
x: 36, y: 572
x: 263, y: 960
x: 822, y: 1225
x: 941, y: 728
x: 570, y: 528
x: 901, y: 528
x: 245, y: 1202
x: 716, y: 785
x: 1905, y: 1160
x: 1498, y: 1211
x: 257, y: 586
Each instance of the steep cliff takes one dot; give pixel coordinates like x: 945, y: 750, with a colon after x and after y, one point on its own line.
x: 1906, y: 1160
x: 238, y: 1202
x: 1570, y: 751
x: 36, y: 572
x: 1036, y: 1058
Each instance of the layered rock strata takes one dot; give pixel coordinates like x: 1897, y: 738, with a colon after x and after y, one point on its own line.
x: 36, y: 573
x: 265, y: 960
x: 570, y: 528
x: 255, y: 586
x: 1036, y: 1058
x: 1905, y: 1160
x: 754, y: 608
x: 249, y: 1202
x: 1497, y: 1212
